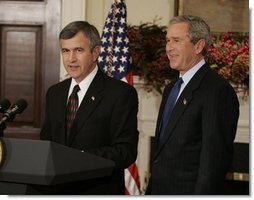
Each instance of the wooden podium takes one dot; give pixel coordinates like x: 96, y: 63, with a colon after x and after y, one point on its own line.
x: 28, y: 165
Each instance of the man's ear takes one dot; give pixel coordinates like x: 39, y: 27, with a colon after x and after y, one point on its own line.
x: 96, y: 52
x: 199, y: 46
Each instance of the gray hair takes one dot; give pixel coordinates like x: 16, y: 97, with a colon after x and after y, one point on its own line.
x: 89, y: 31
x: 198, y: 29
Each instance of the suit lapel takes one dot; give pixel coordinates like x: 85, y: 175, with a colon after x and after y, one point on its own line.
x: 90, y: 101
x: 163, y: 102
x: 182, y: 103
x: 61, y: 97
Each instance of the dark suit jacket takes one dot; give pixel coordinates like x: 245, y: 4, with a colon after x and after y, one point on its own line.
x: 105, y: 125
x: 198, y: 146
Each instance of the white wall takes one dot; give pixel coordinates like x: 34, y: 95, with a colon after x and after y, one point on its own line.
x: 138, y: 11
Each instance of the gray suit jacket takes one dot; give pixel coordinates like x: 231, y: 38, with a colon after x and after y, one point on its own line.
x: 198, y: 147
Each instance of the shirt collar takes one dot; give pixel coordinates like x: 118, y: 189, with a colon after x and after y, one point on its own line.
x: 85, y: 83
x: 190, y: 73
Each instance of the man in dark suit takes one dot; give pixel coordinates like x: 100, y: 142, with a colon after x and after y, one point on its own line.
x: 105, y: 123
x: 195, y: 151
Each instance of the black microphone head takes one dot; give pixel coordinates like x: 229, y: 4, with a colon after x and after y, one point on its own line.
x: 4, y: 105
x: 20, y: 105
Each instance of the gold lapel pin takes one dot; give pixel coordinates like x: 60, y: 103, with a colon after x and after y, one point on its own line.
x: 93, y: 98
x: 184, y: 101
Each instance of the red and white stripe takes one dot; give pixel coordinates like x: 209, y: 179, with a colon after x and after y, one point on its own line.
x: 132, y: 185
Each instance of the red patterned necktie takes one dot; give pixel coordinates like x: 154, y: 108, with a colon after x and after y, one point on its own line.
x: 72, y: 108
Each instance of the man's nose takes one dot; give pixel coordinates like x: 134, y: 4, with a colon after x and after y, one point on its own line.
x: 72, y: 56
x: 169, y: 46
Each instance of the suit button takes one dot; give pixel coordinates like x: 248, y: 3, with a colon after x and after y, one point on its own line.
x: 156, y: 161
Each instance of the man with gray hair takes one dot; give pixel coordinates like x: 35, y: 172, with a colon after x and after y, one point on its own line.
x: 91, y: 111
x: 197, y: 121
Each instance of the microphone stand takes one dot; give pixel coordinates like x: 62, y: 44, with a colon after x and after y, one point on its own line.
x: 2, y: 127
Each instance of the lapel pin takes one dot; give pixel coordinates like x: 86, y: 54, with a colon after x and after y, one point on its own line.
x: 93, y: 98
x: 184, y: 101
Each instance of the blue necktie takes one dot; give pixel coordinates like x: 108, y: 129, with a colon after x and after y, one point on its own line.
x: 169, y: 106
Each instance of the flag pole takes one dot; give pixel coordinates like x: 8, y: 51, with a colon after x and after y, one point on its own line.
x: 110, y: 66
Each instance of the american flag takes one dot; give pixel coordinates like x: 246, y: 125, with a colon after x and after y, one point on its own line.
x: 115, y: 61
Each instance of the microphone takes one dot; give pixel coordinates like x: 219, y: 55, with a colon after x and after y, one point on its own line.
x: 16, y: 108
x: 4, y: 105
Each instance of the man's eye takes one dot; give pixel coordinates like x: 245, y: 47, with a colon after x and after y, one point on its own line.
x: 79, y: 50
x: 64, y: 50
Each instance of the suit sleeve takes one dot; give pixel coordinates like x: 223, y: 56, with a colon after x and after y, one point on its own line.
x: 45, y: 131
x: 219, y: 124
x: 123, y: 131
